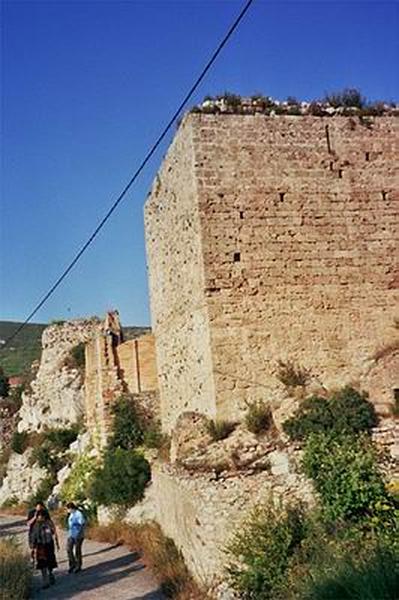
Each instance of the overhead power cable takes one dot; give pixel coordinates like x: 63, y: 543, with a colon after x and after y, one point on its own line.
x: 149, y: 154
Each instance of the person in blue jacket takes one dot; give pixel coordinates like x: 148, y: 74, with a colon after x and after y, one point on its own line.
x: 76, y: 531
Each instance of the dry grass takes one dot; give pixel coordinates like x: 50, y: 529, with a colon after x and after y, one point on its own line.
x: 15, y: 571
x: 19, y: 510
x: 159, y: 553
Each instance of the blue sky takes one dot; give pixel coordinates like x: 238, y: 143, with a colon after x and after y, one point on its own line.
x: 87, y: 86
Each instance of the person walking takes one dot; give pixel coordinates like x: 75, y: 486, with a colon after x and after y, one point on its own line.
x: 31, y: 520
x: 76, y: 527
x: 43, y: 535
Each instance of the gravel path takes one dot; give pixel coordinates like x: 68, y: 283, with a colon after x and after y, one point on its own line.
x: 109, y: 572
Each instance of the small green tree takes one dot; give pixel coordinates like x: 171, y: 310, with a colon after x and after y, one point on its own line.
x: 127, y: 429
x: 121, y: 479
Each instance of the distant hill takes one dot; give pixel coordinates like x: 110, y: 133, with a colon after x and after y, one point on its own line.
x: 17, y: 358
x: 129, y: 333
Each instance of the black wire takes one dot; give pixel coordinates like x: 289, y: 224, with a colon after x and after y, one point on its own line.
x: 136, y: 174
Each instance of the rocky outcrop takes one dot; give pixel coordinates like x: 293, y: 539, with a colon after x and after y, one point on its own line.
x: 56, y: 396
x: 22, y: 478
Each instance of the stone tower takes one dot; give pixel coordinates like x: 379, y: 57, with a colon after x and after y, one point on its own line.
x: 274, y: 238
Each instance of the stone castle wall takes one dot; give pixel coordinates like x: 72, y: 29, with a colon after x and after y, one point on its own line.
x: 137, y: 365
x: 112, y: 369
x: 273, y: 239
x: 177, y: 279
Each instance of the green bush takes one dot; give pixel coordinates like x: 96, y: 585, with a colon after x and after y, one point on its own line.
x: 260, y: 553
x: 258, y: 417
x: 76, y: 487
x: 121, y: 479
x: 220, y: 430
x: 61, y: 439
x: 291, y: 375
x: 349, y: 97
x: 43, y: 491
x: 344, y: 411
x: 78, y: 355
x: 376, y: 578
x: 127, y: 429
x: 4, y: 384
x: 153, y: 436
x: 19, y: 441
x: 49, y: 451
x: 10, y: 502
x: 15, y: 571
x: 230, y: 99
x: 345, y: 475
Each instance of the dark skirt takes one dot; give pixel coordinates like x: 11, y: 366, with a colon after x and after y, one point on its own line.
x: 45, y: 556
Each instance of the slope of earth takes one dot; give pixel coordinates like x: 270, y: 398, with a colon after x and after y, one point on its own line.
x: 108, y: 571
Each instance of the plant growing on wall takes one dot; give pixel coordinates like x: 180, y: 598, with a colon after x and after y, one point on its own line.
x: 291, y: 375
x: 344, y: 411
x: 121, y: 479
x: 127, y: 428
x: 220, y: 429
x: 258, y: 417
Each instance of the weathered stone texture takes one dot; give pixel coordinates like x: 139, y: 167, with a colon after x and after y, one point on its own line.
x: 55, y: 398
x: 22, y: 478
x: 112, y: 369
x: 272, y: 238
x: 102, y: 386
x: 137, y: 365
x: 176, y: 279
x: 200, y: 513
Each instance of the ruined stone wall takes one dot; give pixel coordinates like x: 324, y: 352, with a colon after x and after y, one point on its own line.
x: 137, y: 365
x: 102, y: 387
x: 201, y: 512
x: 176, y: 280
x: 113, y: 369
x: 295, y: 238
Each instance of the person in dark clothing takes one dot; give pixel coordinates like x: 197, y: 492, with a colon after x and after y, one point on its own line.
x: 31, y: 520
x: 44, y: 535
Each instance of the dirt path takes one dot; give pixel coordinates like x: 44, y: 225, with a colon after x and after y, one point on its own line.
x: 109, y: 572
